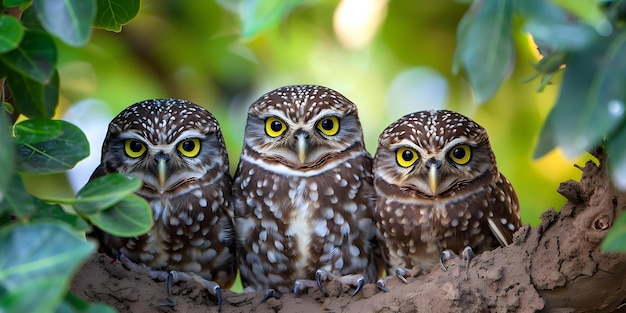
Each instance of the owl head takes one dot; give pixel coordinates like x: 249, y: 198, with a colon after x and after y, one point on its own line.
x: 434, y: 153
x: 302, y: 126
x: 168, y: 143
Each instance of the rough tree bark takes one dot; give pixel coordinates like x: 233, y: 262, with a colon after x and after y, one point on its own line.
x: 554, y: 267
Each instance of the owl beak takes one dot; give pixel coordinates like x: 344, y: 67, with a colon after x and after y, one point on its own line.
x: 433, y: 178
x: 302, y: 146
x: 162, y: 159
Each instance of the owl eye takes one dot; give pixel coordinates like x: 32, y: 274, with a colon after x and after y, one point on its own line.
x: 134, y: 148
x: 406, y: 157
x: 461, y: 154
x: 329, y: 126
x: 189, y: 147
x: 274, y: 127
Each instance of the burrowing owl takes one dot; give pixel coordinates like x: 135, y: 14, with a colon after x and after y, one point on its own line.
x: 177, y: 149
x: 439, y: 189
x: 303, y: 193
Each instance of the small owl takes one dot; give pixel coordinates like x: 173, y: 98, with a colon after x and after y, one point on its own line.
x: 303, y: 193
x: 439, y: 189
x: 177, y: 149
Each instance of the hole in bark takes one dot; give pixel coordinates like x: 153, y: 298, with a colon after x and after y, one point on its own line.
x: 602, y: 222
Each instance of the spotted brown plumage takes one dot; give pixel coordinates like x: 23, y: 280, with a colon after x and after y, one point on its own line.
x: 303, y: 193
x: 176, y: 148
x: 439, y: 188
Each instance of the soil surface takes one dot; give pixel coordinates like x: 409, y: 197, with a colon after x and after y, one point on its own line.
x: 554, y: 267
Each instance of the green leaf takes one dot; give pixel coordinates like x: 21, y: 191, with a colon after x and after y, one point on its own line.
x: 13, y: 3
x: 74, y: 304
x: 69, y: 20
x: 33, y: 98
x: 132, y: 216
x: 103, y: 192
x: 591, y: 101
x: 113, y: 14
x: 11, y: 33
x: 588, y: 11
x: 487, y: 54
x: 34, y: 277
x: 7, y: 153
x: 615, y: 240
x: 18, y: 201
x: 616, y: 151
x: 257, y: 16
x: 552, y: 27
x: 35, y: 57
x: 49, y: 146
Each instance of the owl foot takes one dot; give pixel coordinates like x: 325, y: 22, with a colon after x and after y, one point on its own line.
x: 448, y: 254
x: 270, y: 293
x: 355, y: 280
x: 212, y: 287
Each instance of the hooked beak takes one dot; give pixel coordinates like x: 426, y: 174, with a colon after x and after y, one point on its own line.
x: 302, y: 147
x: 433, y: 178
x: 162, y: 167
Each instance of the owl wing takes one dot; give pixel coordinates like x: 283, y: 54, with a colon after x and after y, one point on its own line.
x: 506, y: 219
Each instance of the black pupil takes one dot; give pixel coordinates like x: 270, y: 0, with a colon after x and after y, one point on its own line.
x: 135, y: 146
x: 407, y: 155
x: 188, y: 145
x: 276, y: 126
x: 328, y: 124
x: 458, y: 153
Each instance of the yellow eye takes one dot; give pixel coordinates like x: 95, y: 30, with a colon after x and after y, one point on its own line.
x: 274, y: 127
x: 329, y: 126
x: 189, y: 147
x: 134, y: 148
x: 406, y: 157
x: 461, y: 154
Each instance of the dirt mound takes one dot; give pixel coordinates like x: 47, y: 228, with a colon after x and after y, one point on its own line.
x: 556, y: 266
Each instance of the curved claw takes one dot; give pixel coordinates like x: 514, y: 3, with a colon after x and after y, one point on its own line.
x: 218, y: 295
x: 296, y: 287
x: 381, y: 286
x: 400, y: 273
x: 444, y: 255
x: 270, y: 293
x: 318, y: 279
x: 467, y: 255
x: 170, y: 278
x: 359, y: 286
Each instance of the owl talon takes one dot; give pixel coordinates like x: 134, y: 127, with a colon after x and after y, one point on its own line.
x: 444, y: 256
x: 270, y: 293
x: 381, y: 285
x: 211, y: 286
x: 360, y: 282
x: 318, y: 279
x: 467, y: 255
x: 218, y: 294
x: 401, y: 274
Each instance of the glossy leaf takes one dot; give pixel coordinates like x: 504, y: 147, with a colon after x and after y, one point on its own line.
x: 591, y: 101
x: 34, y: 277
x: 35, y: 57
x: 129, y: 217
x: 17, y: 201
x: 7, y: 153
x: 257, y: 16
x: 552, y: 27
x: 615, y: 240
x: 69, y: 20
x: 11, y: 33
x: 49, y: 146
x: 32, y: 98
x: 113, y: 14
x: 487, y: 54
x: 588, y: 11
x: 13, y: 3
x: 105, y: 191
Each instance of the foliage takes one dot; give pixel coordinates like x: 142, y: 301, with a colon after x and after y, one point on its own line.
x: 587, y: 40
x: 35, y: 277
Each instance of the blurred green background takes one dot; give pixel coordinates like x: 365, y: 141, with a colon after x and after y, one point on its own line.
x: 389, y: 57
